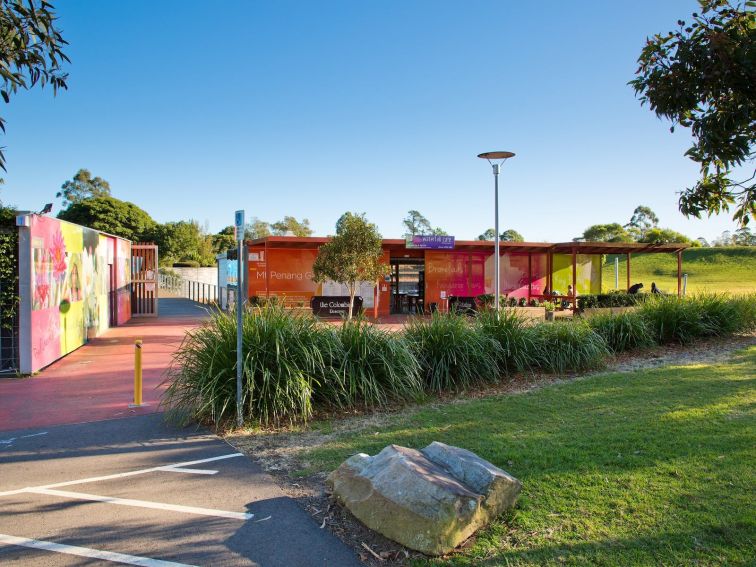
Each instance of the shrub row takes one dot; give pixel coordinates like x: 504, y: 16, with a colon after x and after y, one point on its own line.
x: 294, y: 364
x: 611, y: 300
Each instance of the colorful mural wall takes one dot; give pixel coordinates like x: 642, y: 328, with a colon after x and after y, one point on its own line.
x: 588, y: 273
x: 79, y: 286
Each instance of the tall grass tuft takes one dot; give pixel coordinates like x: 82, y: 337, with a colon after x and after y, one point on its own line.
x: 676, y: 320
x: 284, y: 358
x: 567, y: 346
x: 623, y: 331
x: 452, y: 352
x: 373, y: 367
x: 510, y: 331
x: 746, y: 308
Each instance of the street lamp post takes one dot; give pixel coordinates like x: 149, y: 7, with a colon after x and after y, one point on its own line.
x: 496, y: 159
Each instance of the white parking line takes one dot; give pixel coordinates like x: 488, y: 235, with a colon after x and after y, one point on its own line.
x: 122, y: 475
x: 143, y: 504
x: 87, y: 552
x: 182, y: 470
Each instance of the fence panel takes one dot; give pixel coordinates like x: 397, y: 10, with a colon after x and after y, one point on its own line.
x: 144, y: 280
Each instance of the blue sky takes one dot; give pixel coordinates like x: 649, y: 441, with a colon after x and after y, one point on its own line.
x: 194, y: 109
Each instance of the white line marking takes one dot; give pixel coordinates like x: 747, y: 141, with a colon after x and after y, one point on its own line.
x: 12, y: 439
x: 87, y: 552
x: 121, y: 475
x: 33, y: 435
x: 144, y: 504
x: 194, y: 471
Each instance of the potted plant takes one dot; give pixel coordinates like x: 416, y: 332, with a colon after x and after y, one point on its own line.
x: 549, y: 307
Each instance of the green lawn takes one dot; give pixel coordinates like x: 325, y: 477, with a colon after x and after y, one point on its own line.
x: 648, y: 468
x: 709, y: 269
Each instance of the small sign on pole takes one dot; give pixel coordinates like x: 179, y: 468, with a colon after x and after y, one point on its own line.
x: 239, y: 227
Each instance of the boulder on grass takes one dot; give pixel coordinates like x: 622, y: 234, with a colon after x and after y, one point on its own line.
x: 429, y: 500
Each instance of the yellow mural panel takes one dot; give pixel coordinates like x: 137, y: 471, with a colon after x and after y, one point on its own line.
x: 588, y: 273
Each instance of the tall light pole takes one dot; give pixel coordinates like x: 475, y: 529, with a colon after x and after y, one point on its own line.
x: 496, y: 159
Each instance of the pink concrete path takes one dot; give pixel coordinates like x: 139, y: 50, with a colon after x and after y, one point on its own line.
x: 96, y: 381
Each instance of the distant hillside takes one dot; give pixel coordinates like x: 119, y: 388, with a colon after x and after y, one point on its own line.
x: 709, y: 269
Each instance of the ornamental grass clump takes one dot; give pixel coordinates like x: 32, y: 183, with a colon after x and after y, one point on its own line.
x: 722, y: 314
x: 452, y: 352
x: 567, y: 346
x: 284, y: 359
x: 623, y: 331
x: 510, y: 331
x: 373, y: 367
x: 676, y: 320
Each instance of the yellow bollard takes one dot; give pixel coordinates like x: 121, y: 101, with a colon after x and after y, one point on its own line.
x: 137, y: 373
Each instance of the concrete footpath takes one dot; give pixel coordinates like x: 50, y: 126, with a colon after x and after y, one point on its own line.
x: 96, y: 381
x: 85, y: 480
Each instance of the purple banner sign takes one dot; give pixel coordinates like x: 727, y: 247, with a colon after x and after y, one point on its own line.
x: 431, y: 242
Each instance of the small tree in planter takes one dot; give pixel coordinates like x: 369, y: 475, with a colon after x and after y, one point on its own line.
x: 354, y: 255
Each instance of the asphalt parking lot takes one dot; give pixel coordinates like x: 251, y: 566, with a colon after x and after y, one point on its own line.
x: 136, y: 491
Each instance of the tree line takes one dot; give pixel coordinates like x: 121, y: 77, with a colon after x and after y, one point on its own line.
x: 88, y: 201
x: 643, y: 226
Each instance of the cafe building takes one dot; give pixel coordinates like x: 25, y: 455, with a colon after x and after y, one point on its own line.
x: 427, y: 272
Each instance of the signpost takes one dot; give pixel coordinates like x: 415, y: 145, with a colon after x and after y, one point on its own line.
x: 239, y: 229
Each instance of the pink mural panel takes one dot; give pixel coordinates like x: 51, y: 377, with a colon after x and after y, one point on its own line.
x: 70, y: 284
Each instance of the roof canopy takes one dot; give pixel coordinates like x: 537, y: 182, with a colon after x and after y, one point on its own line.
x: 482, y: 245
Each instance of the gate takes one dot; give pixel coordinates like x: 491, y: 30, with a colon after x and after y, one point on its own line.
x: 144, y: 280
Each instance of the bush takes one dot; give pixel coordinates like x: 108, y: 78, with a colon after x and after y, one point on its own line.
x: 452, y: 353
x: 284, y: 359
x: 511, y: 334
x: 613, y: 299
x: 724, y: 315
x: 623, y: 331
x: 567, y: 346
x: 373, y: 367
x: 673, y: 319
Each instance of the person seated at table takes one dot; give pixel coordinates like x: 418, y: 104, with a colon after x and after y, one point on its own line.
x: 566, y: 302
x: 635, y: 288
x: 655, y: 289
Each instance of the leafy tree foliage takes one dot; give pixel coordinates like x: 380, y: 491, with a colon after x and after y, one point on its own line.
x: 354, y: 255
x: 666, y: 236
x: 256, y: 229
x: 223, y: 240
x: 83, y: 186
x: 183, y: 241
x: 744, y: 237
x: 31, y: 50
x: 415, y: 224
x: 112, y: 215
x: 702, y: 76
x: 291, y: 226
x: 642, y: 220
x: 612, y: 232
x: 509, y: 235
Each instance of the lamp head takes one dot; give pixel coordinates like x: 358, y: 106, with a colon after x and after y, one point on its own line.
x: 46, y: 209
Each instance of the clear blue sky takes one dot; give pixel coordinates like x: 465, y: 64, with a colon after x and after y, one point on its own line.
x: 194, y: 109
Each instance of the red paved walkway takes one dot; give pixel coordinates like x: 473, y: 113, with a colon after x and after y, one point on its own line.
x: 96, y: 381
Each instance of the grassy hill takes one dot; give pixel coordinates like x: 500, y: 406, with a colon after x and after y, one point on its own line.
x: 709, y: 269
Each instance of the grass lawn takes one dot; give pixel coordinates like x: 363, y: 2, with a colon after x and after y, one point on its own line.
x: 709, y: 269
x: 654, y: 467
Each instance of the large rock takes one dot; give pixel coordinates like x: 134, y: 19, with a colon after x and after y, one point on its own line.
x: 430, y: 500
